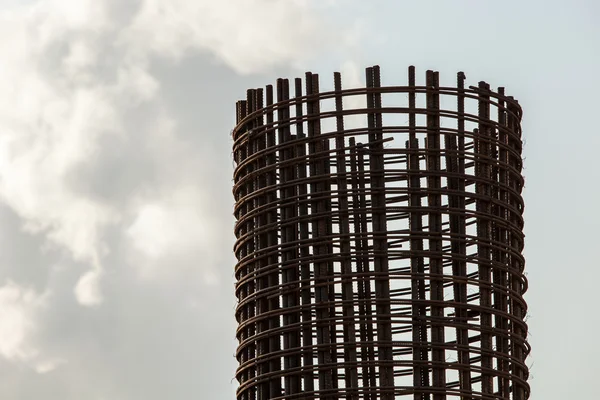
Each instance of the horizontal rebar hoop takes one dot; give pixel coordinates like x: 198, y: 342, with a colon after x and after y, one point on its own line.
x: 379, y: 239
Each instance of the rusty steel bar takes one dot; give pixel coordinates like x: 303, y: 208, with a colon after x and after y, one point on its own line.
x: 482, y: 188
x: 347, y: 275
x: 253, y: 245
x: 379, y: 260
x: 262, y: 283
x: 461, y: 310
x: 320, y: 231
x: 419, y: 310
x: 365, y: 319
x: 306, y: 289
x: 241, y: 272
x: 289, y: 251
x: 434, y: 205
x: 500, y: 276
x: 379, y: 234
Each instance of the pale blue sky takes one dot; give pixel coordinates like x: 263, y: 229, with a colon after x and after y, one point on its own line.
x: 115, y: 174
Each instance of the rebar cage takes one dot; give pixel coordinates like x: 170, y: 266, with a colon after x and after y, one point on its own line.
x: 379, y: 239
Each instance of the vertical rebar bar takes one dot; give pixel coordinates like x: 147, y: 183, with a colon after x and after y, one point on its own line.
x: 419, y: 309
x: 319, y: 233
x: 483, y: 190
x: 434, y: 204
x: 379, y: 222
x: 347, y: 275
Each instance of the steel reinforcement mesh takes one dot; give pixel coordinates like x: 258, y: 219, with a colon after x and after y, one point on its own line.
x: 379, y: 239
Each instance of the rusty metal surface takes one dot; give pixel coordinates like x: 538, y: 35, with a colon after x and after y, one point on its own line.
x: 379, y: 242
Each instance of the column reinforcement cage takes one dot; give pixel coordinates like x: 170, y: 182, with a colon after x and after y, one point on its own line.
x: 379, y: 238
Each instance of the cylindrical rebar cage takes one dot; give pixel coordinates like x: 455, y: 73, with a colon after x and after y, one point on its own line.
x: 379, y: 238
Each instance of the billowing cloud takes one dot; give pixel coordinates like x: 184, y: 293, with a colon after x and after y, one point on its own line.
x: 87, y: 289
x: 114, y: 160
x: 18, y: 307
x: 178, y: 225
x: 73, y: 72
x: 237, y: 33
x: 46, y: 366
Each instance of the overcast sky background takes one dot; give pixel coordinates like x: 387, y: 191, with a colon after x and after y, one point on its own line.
x: 116, y: 270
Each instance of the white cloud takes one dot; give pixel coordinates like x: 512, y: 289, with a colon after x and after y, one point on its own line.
x: 248, y: 35
x: 80, y: 56
x: 175, y: 225
x: 70, y: 77
x: 48, y: 129
x: 18, y: 307
x: 80, y: 82
x: 87, y: 290
x: 44, y: 367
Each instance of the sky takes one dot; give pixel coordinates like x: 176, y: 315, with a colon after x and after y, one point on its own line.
x: 116, y: 227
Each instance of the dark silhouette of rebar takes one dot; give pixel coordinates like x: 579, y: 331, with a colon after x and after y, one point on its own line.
x: 379, y: 242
